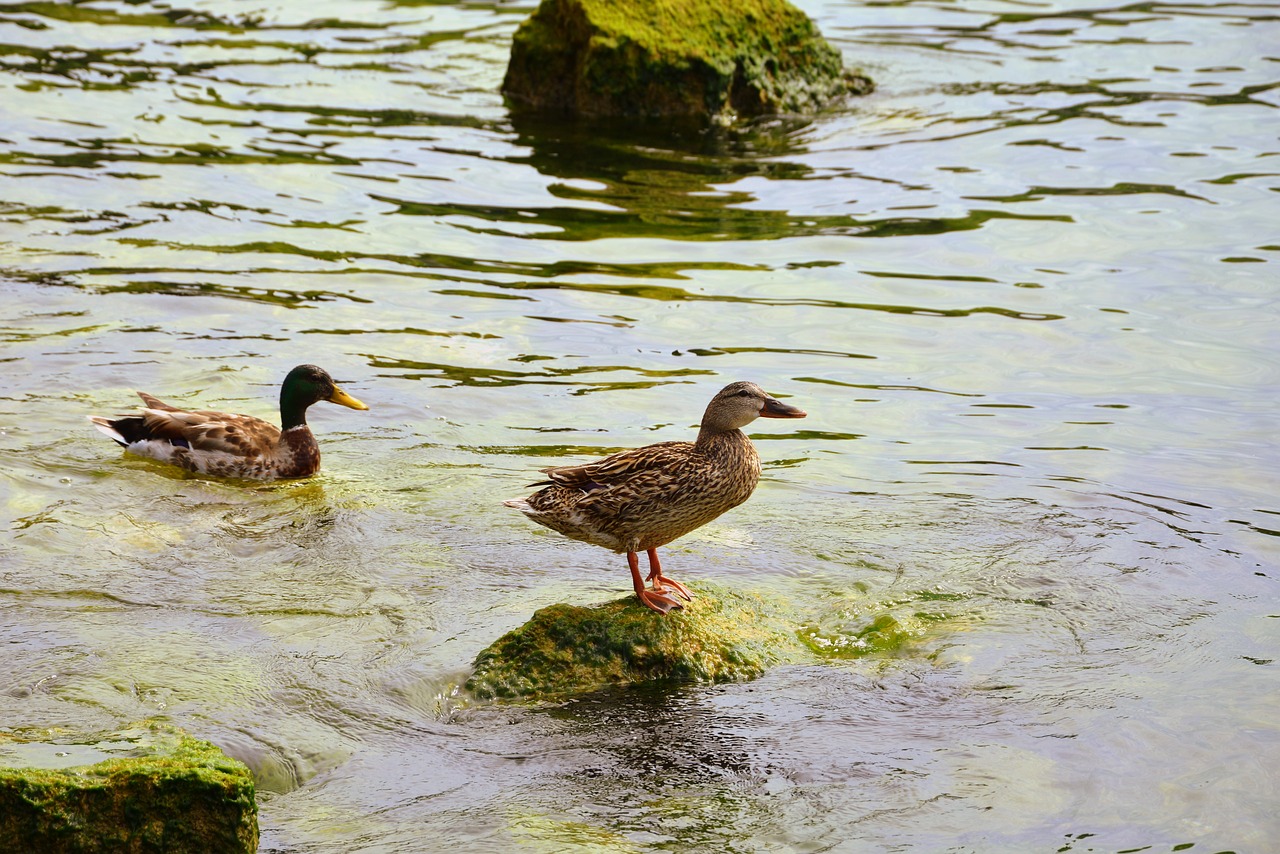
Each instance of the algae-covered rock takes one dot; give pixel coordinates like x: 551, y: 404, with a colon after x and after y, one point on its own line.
x: 674, y: 58
x: 721, y: 636
x: 149, y: 788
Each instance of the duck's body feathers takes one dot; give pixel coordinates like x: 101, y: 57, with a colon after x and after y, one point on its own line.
x: 645, y: 498
x: 205, y: 441
x: 225, y: 444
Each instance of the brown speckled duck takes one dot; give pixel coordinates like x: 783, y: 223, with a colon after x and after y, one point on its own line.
x: 228, y: 445
x: 638, y: 500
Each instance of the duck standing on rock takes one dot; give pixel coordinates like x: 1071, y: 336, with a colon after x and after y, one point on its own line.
x: 228, y: 445
x: 641, y: 499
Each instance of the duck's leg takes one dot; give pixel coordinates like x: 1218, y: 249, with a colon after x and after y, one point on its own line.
x: 658, y: 579
x: 655, y: 600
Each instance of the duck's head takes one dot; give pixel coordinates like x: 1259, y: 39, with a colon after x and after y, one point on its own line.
x: 738, y: 404
x: 305, y: 385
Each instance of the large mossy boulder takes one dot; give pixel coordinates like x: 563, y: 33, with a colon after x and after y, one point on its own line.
x: 151, y: 788
x: 721, y: 636
x: 701, y: 58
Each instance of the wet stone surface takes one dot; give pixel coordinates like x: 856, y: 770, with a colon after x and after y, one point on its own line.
x: 721, y: 636
x: 694, y: 58
x: 150, y: 787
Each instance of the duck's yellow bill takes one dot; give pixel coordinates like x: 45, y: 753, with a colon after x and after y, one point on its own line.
x: 341, y: 398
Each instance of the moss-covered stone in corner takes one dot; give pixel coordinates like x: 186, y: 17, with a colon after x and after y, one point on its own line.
x: 163, y: 792
x: 720, y: 636
x: 674, y: 58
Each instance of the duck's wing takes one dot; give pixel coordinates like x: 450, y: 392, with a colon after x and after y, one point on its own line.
x: 621, y: 467
x: 211, y: 431
x: 154, y: 402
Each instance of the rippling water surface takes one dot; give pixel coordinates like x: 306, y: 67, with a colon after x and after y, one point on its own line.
x: 1025, y: 291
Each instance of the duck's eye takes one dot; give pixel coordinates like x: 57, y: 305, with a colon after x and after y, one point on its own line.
x: 744, y: 393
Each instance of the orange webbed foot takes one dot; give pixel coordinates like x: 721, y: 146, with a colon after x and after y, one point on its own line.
x: 661, y: 582
x: 655, y: 599
x: 659, y: 602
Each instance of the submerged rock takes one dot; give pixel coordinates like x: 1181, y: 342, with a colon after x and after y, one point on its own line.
x: 675, y: 58
x: 721, y: 636
x: 149, y: 788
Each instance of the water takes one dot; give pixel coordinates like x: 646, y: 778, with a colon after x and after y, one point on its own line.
x: 1024, y: 292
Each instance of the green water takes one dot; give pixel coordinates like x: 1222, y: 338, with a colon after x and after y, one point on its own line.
x: 1024, y: 292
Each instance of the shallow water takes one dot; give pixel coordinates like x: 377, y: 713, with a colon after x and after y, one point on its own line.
x: 1023, y: 291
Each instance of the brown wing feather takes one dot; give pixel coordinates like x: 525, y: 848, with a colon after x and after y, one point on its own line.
x: 218, y: 432
x: 620, y: 467
x: 154, y: 402
x: 645, y: 488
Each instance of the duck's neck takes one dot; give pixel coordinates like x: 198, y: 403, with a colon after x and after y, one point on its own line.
x: 726, y: 442
x: 293, y: 409
x: 290, y: 420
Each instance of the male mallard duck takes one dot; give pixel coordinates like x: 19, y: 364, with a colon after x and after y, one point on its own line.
x: 639, y: 500
x: 227, y: 445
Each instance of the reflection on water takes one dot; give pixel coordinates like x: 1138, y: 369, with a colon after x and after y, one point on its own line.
x: 1030, y: 527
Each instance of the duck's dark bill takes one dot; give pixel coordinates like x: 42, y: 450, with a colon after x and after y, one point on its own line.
x: 778, y: 409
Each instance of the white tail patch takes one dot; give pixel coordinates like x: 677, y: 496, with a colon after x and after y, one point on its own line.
x: 520, y: 504
x: 104, y: 425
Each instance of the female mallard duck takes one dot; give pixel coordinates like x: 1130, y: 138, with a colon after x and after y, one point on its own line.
x: 638, y: 500
x: 227, y: 445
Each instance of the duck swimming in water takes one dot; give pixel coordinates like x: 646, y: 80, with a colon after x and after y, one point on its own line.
x: 229, y: 445
x: 638, y: 500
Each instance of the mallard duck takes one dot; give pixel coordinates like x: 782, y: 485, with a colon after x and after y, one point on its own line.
x: 638, y: 500
x: 228, y: 445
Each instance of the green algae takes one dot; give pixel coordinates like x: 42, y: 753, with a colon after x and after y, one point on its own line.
x: 675, y: 58
x: 533, y: 832
x: 721, y: 636
x: 877, y: 629
x: 881, y: 633
x: 168, y: 792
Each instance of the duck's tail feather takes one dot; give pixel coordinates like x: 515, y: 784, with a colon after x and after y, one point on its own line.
x: 123, y: 431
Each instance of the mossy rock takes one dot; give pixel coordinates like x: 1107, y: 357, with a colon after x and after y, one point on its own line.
x: 721, y: 636
x: 675, y: 58
x: 156, y: 789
